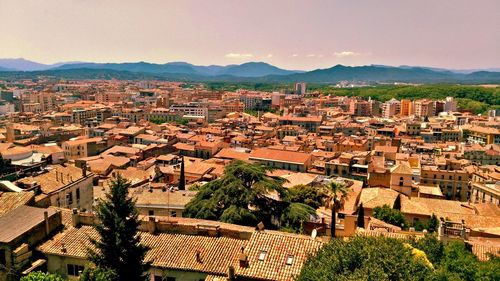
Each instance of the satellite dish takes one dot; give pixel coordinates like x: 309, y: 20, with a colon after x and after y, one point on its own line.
x: 314, y: 233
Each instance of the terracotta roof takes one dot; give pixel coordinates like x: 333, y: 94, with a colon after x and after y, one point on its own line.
x: 279, y: 249
x: 21, y: 220
x: 429, y: 206
x: 280, y: 156
x: 229, y: 153
x: 171, y: 251
x: 11, y: 200
x: 377, y: 197
x: 49, y: 182
x: 402, y: 168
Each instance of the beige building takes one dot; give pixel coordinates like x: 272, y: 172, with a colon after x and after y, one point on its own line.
x: 487, y: 192
x: 62, y: 186
x: 80, y: 148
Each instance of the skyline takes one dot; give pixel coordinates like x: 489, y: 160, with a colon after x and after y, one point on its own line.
x: 295, y: 35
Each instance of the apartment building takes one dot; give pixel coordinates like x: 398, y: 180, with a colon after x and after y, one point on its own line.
x: 423, y: 108
x: 74, y: 149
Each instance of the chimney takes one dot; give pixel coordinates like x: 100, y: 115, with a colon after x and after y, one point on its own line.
x: 230, y: 273
x: 63, y: 248
x: 46, y: 219
x: 243, y: 258
x: 84, y: 170
x: 75, y: 218
x: 198, y: 256
x: 151, y: 224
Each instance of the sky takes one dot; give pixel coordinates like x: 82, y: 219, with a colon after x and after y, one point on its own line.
x: 292, y: 34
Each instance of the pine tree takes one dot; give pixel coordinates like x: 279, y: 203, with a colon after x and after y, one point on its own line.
x: 361, y: 216
x: 182, y: 178
x: 118, y: 247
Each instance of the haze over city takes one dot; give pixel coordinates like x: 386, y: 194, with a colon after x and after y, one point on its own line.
x: 301, y: 35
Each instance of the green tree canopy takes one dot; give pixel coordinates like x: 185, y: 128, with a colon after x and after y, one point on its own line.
x: 246, y: 195
x: 42, y: 276
x: 118, y: 248
x: 364, y: 258
x: 98, y: 274
x: 313, y: 196
x: 389, y: 215
x: 380, y: 258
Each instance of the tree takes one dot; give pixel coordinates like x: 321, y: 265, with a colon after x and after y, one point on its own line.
x: 182, y: 178
x: 364, y: 258
x: 98, y: 274
x: 309, y: 195
x: 433, y: 224
x: 431, y: 246
x: 118, y: 247
x: 295, y: 215
x: 335, y: 188
x: 361, y: 216
x: 41, y: 276
x: 389, y: 215
x: 243, y: 196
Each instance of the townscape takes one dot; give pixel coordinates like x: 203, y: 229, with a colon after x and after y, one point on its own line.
x: 282, y: 140
x: 63, y: 143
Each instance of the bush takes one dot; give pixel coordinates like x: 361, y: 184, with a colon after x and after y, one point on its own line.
x: 389, y: 215
x: 42, y: 276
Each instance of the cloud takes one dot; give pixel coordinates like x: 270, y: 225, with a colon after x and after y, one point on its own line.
x: 238, y: 56
x: 295, y: 55
x: 269, y: 55
x: 344, y: 54
x: 314, y: 56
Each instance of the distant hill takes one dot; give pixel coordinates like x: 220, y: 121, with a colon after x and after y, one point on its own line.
x: 250, y: 69
x: 246, y: 72
x: 20, y: 64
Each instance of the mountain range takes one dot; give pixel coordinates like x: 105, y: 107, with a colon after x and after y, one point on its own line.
x: 246, y: 72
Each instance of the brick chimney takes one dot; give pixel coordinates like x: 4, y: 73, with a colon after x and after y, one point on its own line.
x: 46, y: 219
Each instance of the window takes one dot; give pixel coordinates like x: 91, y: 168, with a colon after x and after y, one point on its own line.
x: 69, y: 198
x: 173, y: 214
x: 157, y: 278
x: 151, y: 213
x: 401, y: 181
x: 75, y: 270
x: 78, y: 194
x: 262, y: 255
x: 170, y: 278
x: 289, y: 260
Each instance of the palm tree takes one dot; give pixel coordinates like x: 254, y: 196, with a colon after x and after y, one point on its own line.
x: 337, y: 188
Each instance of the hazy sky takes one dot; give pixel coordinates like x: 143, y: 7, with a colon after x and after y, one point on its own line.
x: 291, y: 34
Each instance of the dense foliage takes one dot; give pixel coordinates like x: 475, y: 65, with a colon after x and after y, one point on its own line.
x: 42, y: 276
x: 364, y: 258
x: 369, y: 258
x: 246, y: 195
x: 98, y: 274
x: 118, y: 248
x: 389, y: 215
x: 310, y: 195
